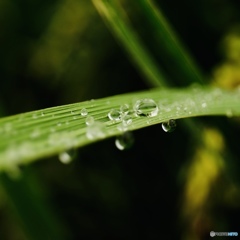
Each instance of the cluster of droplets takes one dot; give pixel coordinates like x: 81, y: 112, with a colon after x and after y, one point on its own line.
x: 142, y: 108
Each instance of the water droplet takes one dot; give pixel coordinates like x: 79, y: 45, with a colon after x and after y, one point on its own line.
x: 114, y: 115
x: 124, y: 141
x: 72, y: 112
x: 89, y: 120
x: 67, y: 156
x: 204, y: 105
x: 122, y: 127
x: 146, y: 107
x: 169, y: 126
x: 84, y: 112
x: 126, y: 120
x: 59, y: 124
x: 95, y: 130
x: 124, y: 108
x: 42, y: 114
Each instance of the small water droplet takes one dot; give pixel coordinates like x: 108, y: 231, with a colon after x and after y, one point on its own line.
x: 124, y: 108
x: 67, y: 156
x: 114, y: 115
x: 204, y: 105
x: 72, y: 112
x: 84, y: 112
x: 59, y: 124
x: 95, y: 130
x: 42, y: 114
x: 89, y: 120
x: 169, y: 126
x: 122, y: 127
x: 127, y: 120
x: 146, y: 107
x: 124, y: 141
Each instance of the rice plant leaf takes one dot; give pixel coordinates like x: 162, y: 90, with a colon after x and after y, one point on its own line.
x: 30, y: 136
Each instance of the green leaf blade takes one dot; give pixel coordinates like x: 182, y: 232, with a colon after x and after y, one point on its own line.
x: 38, y: 134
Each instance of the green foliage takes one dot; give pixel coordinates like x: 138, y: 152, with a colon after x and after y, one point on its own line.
x: 29, y: 136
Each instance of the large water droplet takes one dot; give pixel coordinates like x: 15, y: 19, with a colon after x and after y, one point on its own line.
x: 95, y: 130
x: 124, y: 141
x: 169, y: 126
x: 146, y: 107
x: 114, y: 115
x: 89, y: 120
x: 84, y: 112
x: 67, y: 156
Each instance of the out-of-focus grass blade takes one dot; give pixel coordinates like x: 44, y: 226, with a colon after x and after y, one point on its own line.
x: 33, y: 135
x: 30, y: 207
x: 169, y: 45
x: 121, y: 27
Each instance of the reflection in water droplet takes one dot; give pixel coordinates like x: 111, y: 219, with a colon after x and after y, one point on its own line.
x: 67, y: 156
x: 95, y: 130
x: 114, y: 115
x: 124, y: 141
x: 89, y: 120
x: 169, y: 126
x: 146, y: 107
x: 84, y: 112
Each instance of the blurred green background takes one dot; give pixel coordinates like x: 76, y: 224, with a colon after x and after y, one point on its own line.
x: 166, y: 186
